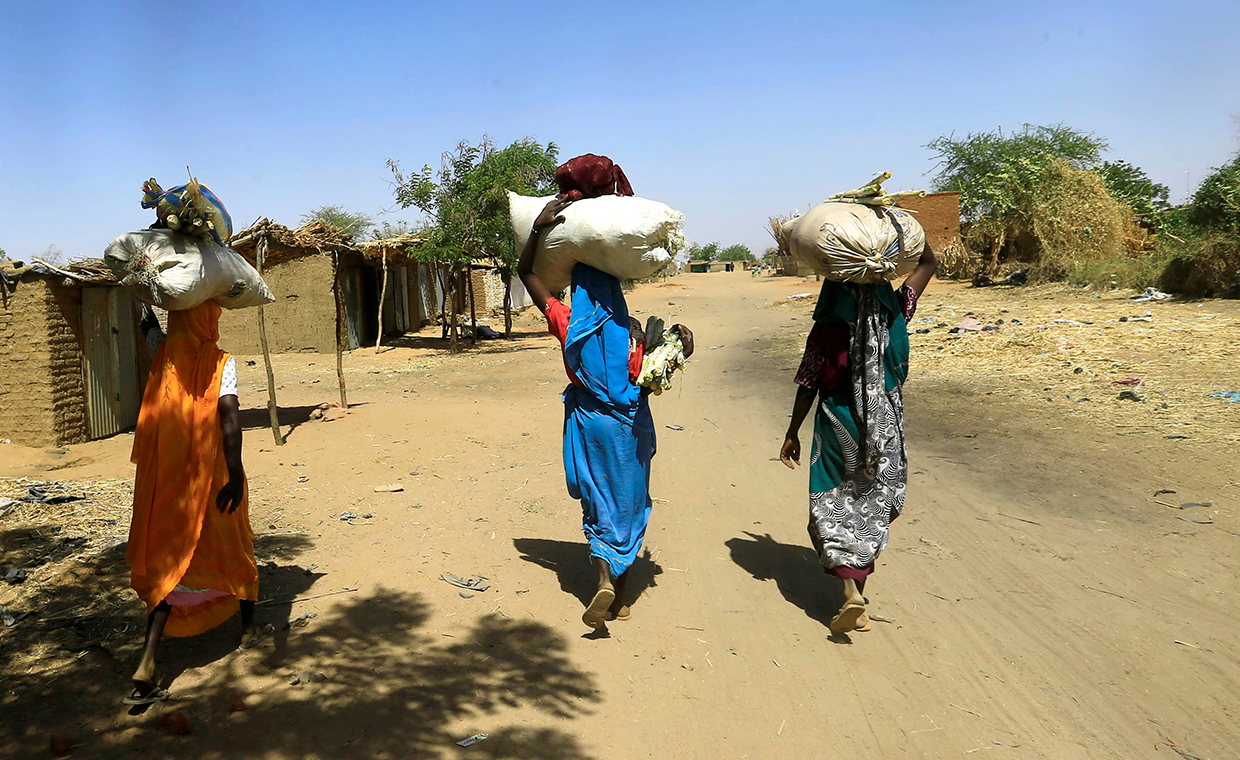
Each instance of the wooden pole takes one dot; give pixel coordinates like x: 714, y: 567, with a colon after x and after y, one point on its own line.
x: 507, y: 275
x: 473, y: 309
x: 382, y: 298
x: 260, y: 253
x: 453, y: 290
x: 344, y: 399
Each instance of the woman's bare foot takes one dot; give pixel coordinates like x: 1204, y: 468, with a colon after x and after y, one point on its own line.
x: 144, y: 677
x: 619, y: 611
x: 851, y: 612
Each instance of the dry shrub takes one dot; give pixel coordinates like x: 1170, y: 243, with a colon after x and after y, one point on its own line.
x: 1075, y: 220
x: 956, y: 262
x: 1203, y: 266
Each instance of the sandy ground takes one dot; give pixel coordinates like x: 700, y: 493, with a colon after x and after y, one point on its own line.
x: 1035, y: 600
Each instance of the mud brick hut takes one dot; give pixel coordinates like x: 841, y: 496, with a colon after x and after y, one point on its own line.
x: 300, y: 267
x: 72, y: 362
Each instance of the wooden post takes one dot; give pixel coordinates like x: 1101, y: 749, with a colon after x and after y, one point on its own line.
x: 473, y: 309
x: 260, y: 253
x: 507, y: 276
x: 344, y: 399
x: 453, y: 291
x: 382, y: 298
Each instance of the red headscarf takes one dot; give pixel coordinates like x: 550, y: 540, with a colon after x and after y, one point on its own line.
x: 590, y: 176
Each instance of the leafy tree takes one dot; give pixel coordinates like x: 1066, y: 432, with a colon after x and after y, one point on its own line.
x: 737, y: 252
x: 352, y: 223
x: 466, y: 202
x: 1215, y: 206
x: 3, y: 256
x: 1131, y: 185
x: 386, y: 230
x: 708, y: 252
x: 999, y: 175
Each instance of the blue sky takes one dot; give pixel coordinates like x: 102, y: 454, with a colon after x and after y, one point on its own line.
x: 728, y: 112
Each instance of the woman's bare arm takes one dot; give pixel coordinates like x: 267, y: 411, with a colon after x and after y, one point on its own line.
x: 547, y: 218
x: 919, y: 278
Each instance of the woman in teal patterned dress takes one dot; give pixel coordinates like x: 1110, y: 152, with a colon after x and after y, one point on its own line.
x: 855, y: 363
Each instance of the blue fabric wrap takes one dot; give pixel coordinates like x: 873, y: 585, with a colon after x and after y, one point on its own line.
x: 608, y: 431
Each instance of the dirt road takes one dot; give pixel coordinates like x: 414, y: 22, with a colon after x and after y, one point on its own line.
x: 1033, y: 602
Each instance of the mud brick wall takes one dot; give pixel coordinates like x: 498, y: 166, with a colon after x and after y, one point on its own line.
x: 939, y: 215
x: 42, y: 392
x: 302, y: 318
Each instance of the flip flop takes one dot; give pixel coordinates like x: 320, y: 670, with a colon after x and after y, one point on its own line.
x: 628, y: 614
x: 596, y: 613
x: 847, y: 618
x: 156, y: 694
x: 258, y: 637
x: 863, y: 623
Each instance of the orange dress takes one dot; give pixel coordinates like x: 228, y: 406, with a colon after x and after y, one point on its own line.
x: 177, y: 536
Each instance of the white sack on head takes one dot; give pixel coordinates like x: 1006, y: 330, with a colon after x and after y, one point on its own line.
x: 176, y: 272
x: 847, y: 242
x: 624, y: 236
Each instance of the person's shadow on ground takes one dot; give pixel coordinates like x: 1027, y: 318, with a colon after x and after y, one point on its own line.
x: 795, y: 570
x: 570, y: 561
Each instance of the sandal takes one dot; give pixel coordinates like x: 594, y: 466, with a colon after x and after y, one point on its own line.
x: 156, y: 694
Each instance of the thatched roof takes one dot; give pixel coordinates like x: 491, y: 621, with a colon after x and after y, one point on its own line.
x: 311, y: 239
x: 393, y: 247
x: 76, y: 273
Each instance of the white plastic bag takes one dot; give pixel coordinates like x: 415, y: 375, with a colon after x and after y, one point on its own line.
x: 855, y: 243
x: 624, y: 236
x: 175, y: 271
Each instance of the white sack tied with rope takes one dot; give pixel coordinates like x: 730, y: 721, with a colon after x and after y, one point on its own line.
x: 627, y: 237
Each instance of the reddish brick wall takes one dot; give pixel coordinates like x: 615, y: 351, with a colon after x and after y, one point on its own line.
x: 939, y: 215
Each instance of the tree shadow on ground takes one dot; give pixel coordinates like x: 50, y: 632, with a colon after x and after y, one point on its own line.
x: 68, y: 658
x: 430, y: 339
x: 372, y: 683
x: 795, y: 570
x: 570, y: 561
x: 292, y: 417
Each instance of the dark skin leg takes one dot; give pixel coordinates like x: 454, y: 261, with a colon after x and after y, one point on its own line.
x: 144, y: 676
x: 619, y: 609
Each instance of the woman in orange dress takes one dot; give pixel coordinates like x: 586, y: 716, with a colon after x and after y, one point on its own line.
x: 191, y: 548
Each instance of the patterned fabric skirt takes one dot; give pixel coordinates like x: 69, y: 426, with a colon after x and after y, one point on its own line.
x: 858, y: 467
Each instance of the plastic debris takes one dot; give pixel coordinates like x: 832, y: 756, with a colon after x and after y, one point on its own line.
x: 473, y: 583
x: 1152, y: 294
x: 471, y: 740
x: 393, y: 488
x: 1231, y: 396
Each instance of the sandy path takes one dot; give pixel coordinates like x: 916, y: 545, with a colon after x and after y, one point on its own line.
x: 1031, y: 604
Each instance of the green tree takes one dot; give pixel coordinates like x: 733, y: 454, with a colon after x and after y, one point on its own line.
x: 1215, y: 206
x: 736, y: 252
x: 1131, y: 185
x: 3, y: 256
x: 466, y: 203
x: 999, y: 175
x: 708, y: 252
x: 355, y: 224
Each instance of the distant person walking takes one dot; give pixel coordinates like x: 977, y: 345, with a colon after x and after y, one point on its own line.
x: 191, y: 548
x: 855, y: 363
x: 609, y: 437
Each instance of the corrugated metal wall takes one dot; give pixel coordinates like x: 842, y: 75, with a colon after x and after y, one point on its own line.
x: 110, y: 361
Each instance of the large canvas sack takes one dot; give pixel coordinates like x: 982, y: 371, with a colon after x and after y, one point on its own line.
x: 856, y: 243
x: 175, y: 271
x: 624, y: 236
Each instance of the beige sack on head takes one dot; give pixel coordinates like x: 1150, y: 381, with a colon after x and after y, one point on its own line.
x: 624, y: 236
x: 175, y: 272
x: 855, y: 243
